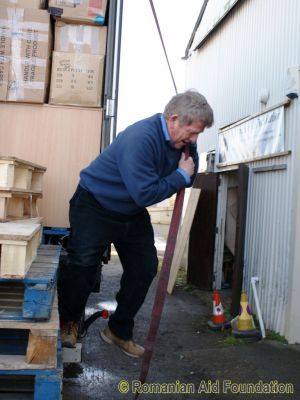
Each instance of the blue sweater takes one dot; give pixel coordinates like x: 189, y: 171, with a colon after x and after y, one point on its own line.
x: 137, y: 170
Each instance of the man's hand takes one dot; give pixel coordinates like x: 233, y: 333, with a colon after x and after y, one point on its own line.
x: 187, y: 165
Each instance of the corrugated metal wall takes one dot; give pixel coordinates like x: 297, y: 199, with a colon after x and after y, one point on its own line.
x: 267, y: 240
x: 250, y: 52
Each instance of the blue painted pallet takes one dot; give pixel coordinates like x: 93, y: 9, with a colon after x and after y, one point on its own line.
x: 53, y: 235
x: 46, y: 384
x: 32, y: 297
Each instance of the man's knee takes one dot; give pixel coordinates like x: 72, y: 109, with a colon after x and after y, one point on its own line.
x: 84, y: 260
x: 151, y: 270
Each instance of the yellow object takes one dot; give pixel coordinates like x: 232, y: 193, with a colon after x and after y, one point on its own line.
x: 245, y: 320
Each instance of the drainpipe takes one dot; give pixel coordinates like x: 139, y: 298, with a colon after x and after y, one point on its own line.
x: 261, y: 322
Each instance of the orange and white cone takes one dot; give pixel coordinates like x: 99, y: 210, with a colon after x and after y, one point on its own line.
x: 218, y: 311
x: 217, y: 321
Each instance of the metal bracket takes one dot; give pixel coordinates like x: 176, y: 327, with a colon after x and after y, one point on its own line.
x: 110, y: 108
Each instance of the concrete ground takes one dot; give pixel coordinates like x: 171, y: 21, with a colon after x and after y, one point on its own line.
x: 203, y: 363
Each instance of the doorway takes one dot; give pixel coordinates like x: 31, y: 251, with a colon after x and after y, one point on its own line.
x: 217, y: 238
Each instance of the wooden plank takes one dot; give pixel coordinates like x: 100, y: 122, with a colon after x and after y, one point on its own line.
x: 37, y: 181
x: 30, y: 221
x: 41, y: 349
x: 8, y: 191
x: 6, y: 174
x: 15, y: 207
x: 3, y: 208
x: 17, y: 362
x: 30, y: 207
x: 52, y: 324
x: 202, y: 234
x: 22, y: 177
x: 18, y: 231
x: 15, y: 160
x: 183, y: 235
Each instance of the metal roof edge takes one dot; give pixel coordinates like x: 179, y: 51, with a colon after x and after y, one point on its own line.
x: 198, y: 22
x: 214, y: 27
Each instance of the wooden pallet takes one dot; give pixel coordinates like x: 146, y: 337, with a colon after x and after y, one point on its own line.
x: 32, y: 297
x: 18, y: 247
x: 29, y: 344
x: 39, y: 384
x: 17, y: 174
x: 17, y: 204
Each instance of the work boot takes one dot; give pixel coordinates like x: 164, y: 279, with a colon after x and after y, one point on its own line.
x: 69, y: 333
x: 128, y: 347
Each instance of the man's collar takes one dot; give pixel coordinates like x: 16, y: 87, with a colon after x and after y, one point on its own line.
x: 165, y: 129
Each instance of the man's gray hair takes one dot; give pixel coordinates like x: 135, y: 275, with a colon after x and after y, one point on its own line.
x: 190, y: 106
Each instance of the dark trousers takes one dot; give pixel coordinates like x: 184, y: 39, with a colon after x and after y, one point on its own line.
x: 92, y: 229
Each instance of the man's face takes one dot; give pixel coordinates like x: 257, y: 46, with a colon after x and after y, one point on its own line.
x: 182, y: 135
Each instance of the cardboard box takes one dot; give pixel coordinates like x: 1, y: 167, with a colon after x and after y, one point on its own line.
x: 87, y: 39
x: 36, y: 4
x: 92, y: 11
x: 25, y: 41
x: 76, y: 79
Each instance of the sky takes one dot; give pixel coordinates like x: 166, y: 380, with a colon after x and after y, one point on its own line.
x: 145, y: 82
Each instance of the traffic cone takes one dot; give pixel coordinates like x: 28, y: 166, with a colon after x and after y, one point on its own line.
x: 218, y: 312
x: 218, y: 321
x: 245, y: 320
x: 243, y: 325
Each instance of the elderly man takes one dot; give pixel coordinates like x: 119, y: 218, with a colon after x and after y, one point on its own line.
x: 144, y: 165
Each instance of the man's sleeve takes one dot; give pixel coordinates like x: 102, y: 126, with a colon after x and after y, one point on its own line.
x: 139, y: 167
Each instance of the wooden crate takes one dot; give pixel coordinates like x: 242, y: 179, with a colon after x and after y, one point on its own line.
x: 18, y: 174
x: 28, y: 344
x: 18, y: 247
x: 32, y: 297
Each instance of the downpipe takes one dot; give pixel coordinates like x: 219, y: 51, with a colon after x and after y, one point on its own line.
x: 255, y: 279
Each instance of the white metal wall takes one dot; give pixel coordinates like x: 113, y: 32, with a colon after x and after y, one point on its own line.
x: 250, y: 52
x: 267, y: 241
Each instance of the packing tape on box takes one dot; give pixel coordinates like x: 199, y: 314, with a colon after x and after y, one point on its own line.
x: 17, y: 82
x: 4, y: 59
x: 78, y: 35
x: 15, y: 26
x: 16, y: 88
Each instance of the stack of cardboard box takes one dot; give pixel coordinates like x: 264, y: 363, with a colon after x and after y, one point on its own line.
x: 26, y: 44
x: 78, y: 64
x: 25, y: 49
